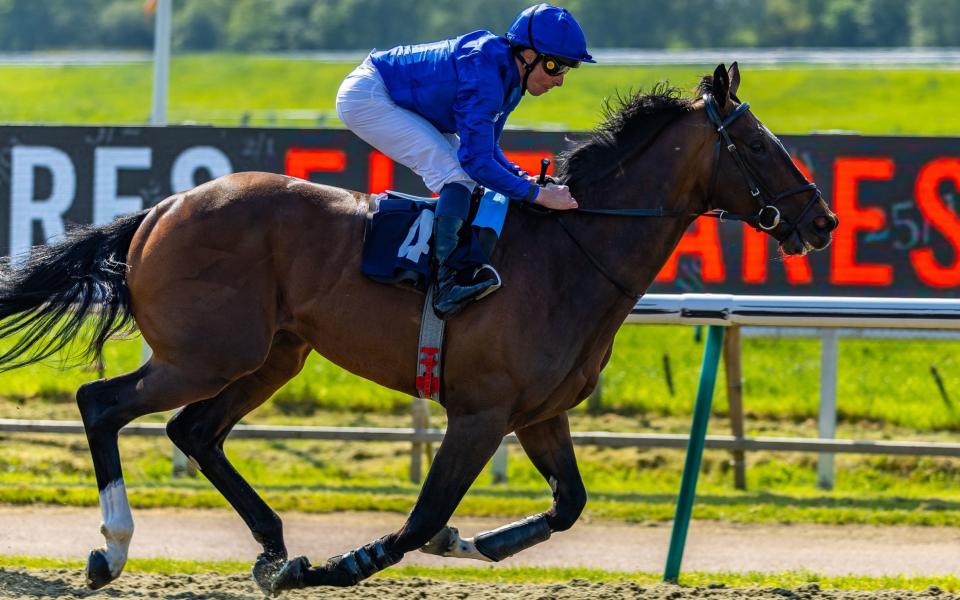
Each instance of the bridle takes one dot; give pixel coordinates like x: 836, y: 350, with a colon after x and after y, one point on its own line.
x: 767, y: 219
x: 769, y: 216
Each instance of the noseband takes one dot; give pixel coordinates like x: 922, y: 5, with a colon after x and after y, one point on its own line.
x: 767, y: 219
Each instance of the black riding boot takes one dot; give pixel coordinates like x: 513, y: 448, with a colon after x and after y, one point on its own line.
x: 449, y: 296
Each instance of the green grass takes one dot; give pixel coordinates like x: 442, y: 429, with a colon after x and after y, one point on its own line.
x: 531, y: 575
x: 219, y: 88
x: 883, y: 382
x: 623, y: 484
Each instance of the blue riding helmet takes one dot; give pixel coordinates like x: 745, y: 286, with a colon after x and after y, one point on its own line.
x: 550, y: 30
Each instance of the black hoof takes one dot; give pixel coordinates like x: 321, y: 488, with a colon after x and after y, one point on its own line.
x: 288, y: 577
x: 98, y: 570
x: 265, y: 571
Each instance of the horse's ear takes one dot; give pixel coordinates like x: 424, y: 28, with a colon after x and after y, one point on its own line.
x: 721, y: 85
x: 734, y: 74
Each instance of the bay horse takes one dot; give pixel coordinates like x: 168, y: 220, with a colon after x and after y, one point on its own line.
x: 233, y: 283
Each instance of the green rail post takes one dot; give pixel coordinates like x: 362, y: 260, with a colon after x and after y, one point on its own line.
x: 691, y: 468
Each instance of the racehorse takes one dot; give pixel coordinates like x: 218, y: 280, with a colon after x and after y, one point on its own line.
x: 233, y: 283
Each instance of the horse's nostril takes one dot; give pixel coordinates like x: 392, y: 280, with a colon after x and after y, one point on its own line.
x: 826, y: 222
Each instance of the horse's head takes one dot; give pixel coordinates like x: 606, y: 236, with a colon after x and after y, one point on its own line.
x: 753, y: 177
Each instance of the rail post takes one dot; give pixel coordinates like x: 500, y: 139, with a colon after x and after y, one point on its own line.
x: 498, y: 464
x: 732, y: 368
x: 698, y: 435
x: 421, y: 422
x: 827, y: 420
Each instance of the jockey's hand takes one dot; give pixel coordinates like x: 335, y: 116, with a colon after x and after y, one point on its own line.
x: 556, y: 197
x: 536, y: 180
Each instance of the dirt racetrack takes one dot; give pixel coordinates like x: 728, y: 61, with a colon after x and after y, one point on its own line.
x: 64, y: 583
x: 220, y: 535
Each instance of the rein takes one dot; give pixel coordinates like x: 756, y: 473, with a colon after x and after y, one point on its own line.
x: 767, y: 219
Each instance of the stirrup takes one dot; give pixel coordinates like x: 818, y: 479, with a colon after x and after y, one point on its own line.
x: 496, y: 286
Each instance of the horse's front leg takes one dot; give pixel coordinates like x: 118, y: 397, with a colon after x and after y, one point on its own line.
x: 550, y: 448
x: 469, y: 443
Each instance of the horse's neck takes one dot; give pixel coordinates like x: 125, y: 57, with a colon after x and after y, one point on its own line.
x: 634, y: 249
x: 558, y: 277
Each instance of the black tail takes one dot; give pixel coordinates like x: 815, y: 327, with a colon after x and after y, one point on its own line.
x: 46, y: 298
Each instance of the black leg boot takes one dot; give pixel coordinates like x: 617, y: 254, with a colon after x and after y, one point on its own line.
x: 486, y: 273
x: 449, y: 296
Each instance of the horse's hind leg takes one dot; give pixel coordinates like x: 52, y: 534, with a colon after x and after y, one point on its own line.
x: 469, y: 443
x: 106, y: 406
x: 550, y: 448
x: 200, y: 430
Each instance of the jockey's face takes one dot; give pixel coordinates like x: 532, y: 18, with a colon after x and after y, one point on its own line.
x: 540, y: 82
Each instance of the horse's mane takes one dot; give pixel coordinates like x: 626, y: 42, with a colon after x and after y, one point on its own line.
x: 630, y: 123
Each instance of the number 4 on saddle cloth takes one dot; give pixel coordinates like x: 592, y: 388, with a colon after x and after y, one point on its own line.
x: 396, y: 250
x: 398, y: 238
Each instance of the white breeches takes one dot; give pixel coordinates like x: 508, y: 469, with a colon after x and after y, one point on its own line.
x: 365, y: 106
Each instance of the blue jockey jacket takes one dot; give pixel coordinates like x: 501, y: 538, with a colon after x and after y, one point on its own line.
x: 468, y: 86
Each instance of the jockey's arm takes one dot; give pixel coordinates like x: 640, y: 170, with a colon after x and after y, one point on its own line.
x: 501, y: 158
x: 478, y: 111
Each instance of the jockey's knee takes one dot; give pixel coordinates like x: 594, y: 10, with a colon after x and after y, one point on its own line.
x: 454, y: 199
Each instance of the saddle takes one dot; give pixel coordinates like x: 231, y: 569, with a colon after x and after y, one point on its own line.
x: 399, y: 230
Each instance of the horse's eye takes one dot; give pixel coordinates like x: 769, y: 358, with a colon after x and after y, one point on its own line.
x: 756, y: 147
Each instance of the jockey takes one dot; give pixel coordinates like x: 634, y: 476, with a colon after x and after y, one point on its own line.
x: 439, y: 109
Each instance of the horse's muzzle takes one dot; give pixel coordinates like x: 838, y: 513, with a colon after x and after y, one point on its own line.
x: 815, y: 233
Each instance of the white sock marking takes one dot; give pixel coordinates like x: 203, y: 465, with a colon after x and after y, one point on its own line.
x: 117, y: 526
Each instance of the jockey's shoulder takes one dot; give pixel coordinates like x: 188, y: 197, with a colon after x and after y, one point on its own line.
x: 481, y: 41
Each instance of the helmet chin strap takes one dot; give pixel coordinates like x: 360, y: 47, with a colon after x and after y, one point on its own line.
x: 528, y: 68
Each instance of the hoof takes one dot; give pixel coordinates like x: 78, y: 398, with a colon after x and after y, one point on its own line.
x: 98, y: 570
x: 265, y: 571
x: 288, y: 576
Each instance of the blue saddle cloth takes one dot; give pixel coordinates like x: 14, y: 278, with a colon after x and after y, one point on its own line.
x: 396, y: 246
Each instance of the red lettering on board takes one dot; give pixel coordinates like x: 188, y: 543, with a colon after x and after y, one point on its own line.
x: 756, y: 259
x: 754, y: 256
x: 300, y: 162
x: 931, y: 176
x: 804, y: 169
x: 529, y: 160
x: 845, y: 270
x: 380, y: 175
x: 702, y: 241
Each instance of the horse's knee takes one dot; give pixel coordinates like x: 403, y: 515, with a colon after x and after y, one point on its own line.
x: 189, y: 436
x: 567, y: 508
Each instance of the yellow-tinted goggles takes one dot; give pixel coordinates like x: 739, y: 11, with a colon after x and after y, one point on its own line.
x: 554, y: 65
